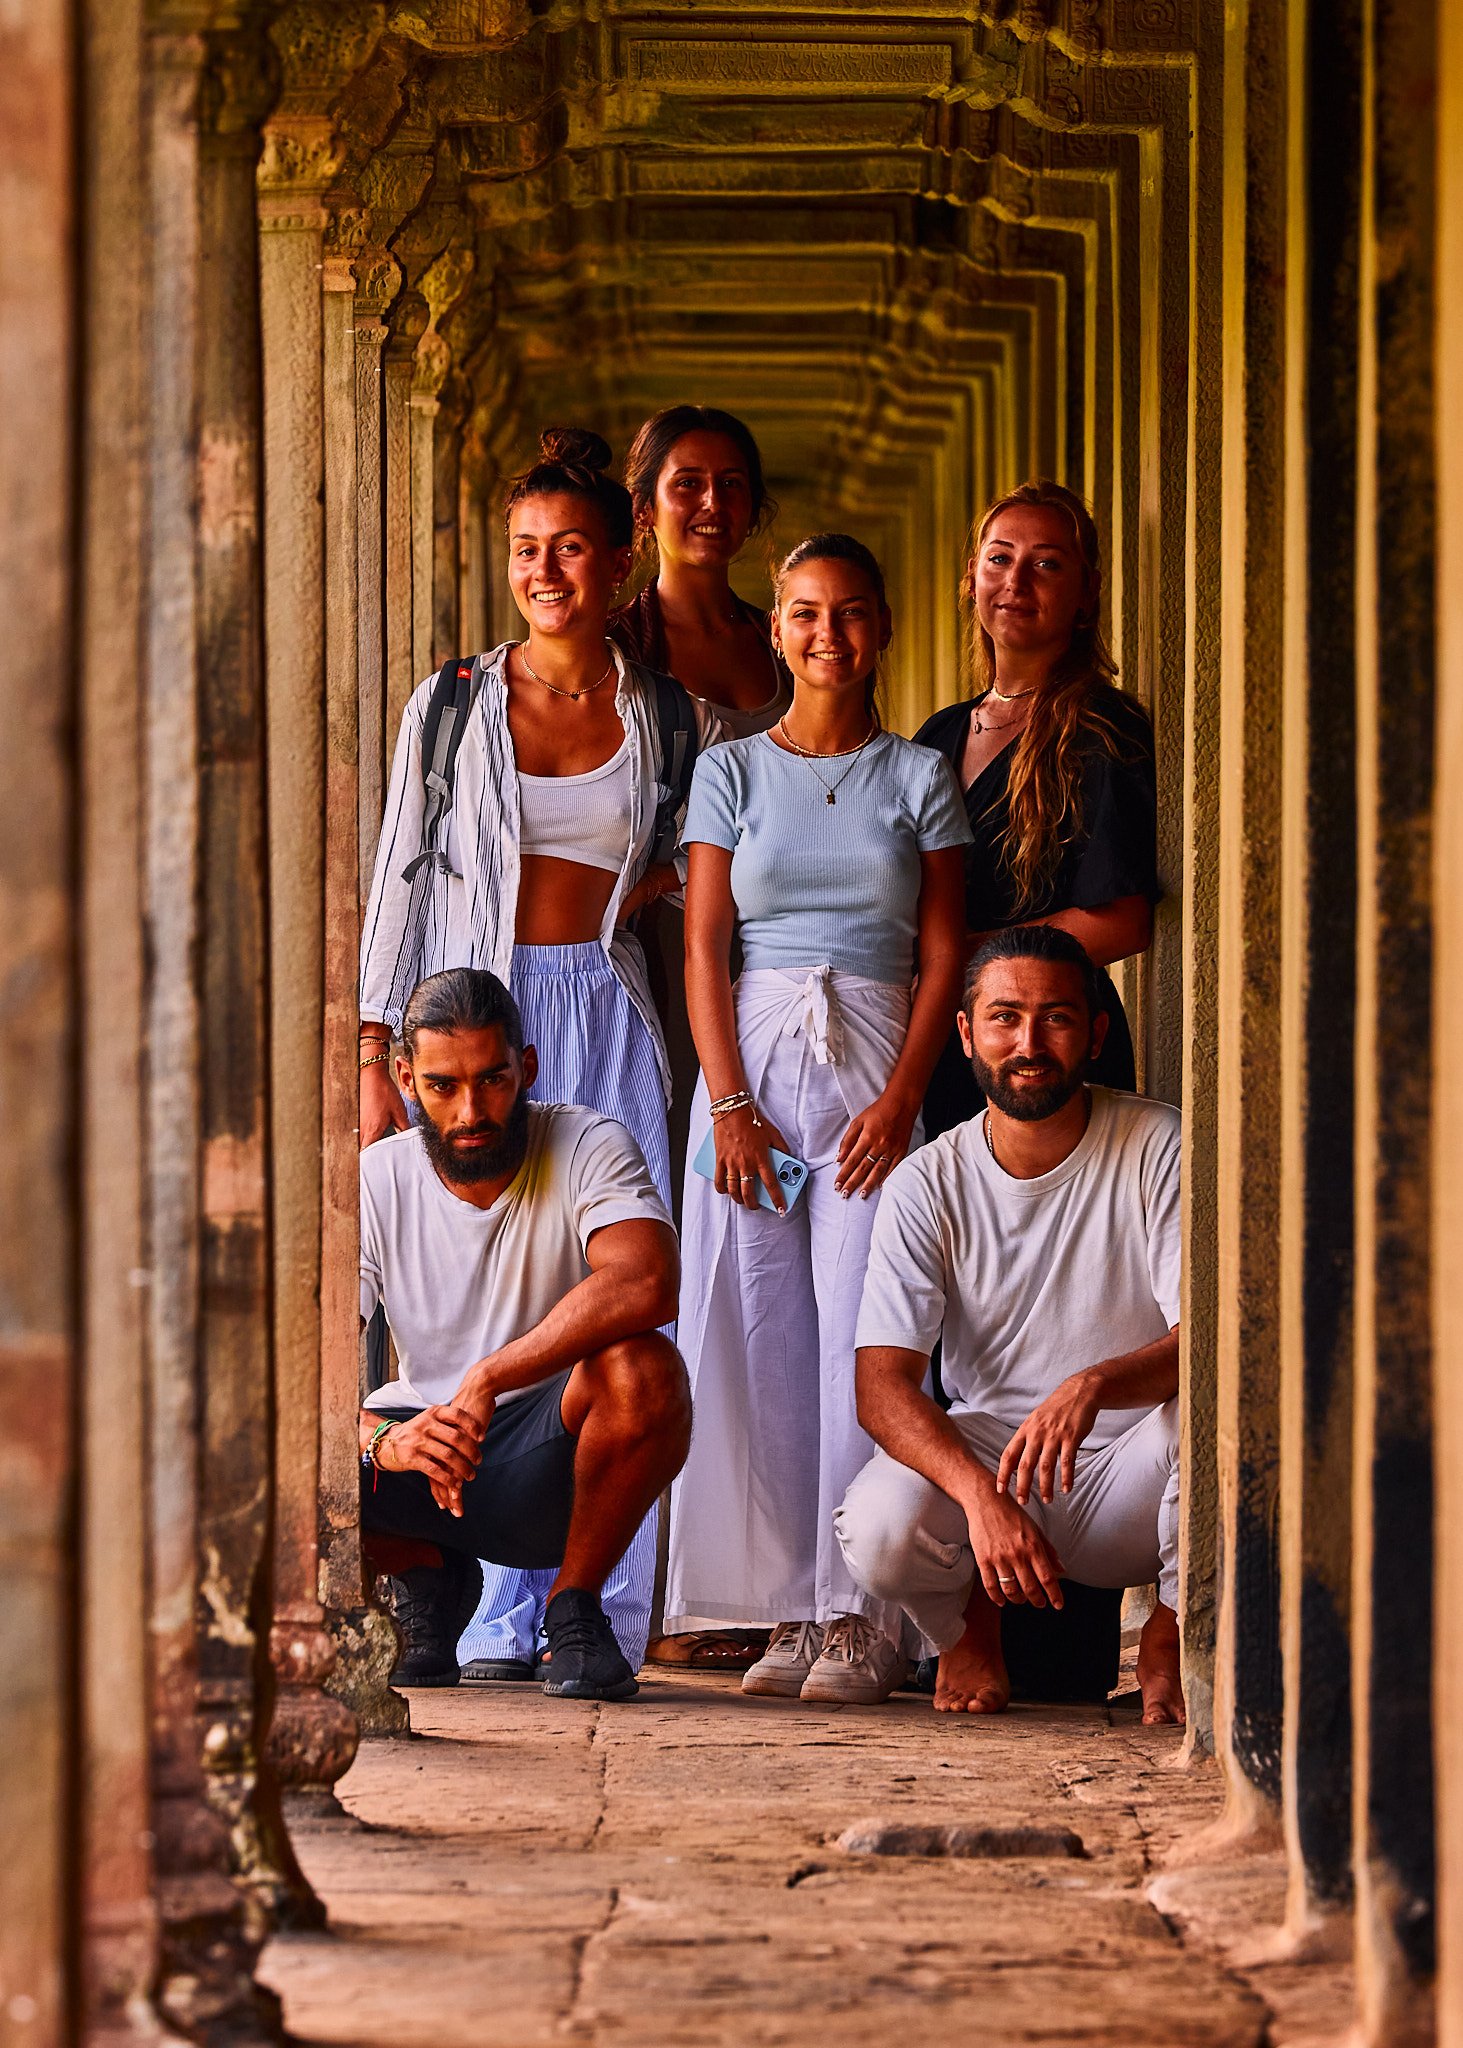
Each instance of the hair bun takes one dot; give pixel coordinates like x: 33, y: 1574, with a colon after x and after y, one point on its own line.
x: 575, y: 447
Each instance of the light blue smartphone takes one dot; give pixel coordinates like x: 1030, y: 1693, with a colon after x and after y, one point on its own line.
x: 791, y: 1173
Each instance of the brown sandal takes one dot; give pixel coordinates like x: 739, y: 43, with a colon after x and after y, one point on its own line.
x: 711, y: 1649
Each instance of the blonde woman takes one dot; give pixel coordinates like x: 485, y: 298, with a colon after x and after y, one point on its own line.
x: 1055, y: 765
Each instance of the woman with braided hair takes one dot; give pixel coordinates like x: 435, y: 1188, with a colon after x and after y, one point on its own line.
x: 1056, y: 765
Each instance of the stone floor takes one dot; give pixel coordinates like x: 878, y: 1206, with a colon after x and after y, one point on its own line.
x: 528, y: 1871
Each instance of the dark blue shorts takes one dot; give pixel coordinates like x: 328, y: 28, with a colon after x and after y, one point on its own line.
x: 516, y: 1509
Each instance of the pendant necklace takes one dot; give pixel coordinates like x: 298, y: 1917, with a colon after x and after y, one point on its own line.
x: 572, y: 695
x: 806, y: 754
x: 1012, y: 697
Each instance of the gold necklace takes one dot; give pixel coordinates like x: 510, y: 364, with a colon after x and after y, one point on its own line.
x: 996, y: 724
x: 572, y: 695
x: 841, y: 753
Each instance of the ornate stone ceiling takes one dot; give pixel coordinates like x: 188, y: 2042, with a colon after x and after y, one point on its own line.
x: 904, y: 242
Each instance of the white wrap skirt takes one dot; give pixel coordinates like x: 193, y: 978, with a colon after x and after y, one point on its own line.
x: 769, y: 1307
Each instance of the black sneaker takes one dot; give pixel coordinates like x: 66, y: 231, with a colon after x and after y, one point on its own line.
x: 432, y: 1605
x: 587, y: 1661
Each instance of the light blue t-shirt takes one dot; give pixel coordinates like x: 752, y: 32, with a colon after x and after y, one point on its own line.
x: 814, y: 881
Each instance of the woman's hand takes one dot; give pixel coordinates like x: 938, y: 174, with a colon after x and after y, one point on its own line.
x: 382, y: 1109
x: 744, y: 1157
x: 653, y: 884
x: 875, y: 1142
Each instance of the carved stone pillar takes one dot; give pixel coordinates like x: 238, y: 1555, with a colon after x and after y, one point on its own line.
x: 210, y: 1450
x: 373, y: 741
x: 314, y: 1735
x: 38, y: 1356
x: 447, y: 629
x: 408, y: 320
x: 430, y: 371
x: 365, y: 1639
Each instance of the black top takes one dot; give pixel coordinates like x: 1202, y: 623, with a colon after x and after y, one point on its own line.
x: 1113, y: 851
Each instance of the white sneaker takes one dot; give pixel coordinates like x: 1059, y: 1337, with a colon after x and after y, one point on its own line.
x: 790, y: 1656
x: 859, y: 1666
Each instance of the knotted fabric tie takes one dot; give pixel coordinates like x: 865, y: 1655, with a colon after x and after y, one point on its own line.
x: 816, y: 1014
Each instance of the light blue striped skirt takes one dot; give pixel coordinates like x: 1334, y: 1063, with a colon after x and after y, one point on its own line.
x: 594, y: 1048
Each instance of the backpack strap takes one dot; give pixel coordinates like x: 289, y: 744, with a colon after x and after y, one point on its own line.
x: 679, y: 743
x: 451, y: 700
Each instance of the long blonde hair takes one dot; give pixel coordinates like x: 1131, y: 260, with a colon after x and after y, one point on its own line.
x: 1044, y: 785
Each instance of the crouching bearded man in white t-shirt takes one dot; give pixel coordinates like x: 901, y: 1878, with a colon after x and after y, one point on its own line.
x: 1040, y: 1243
x: 524, y: 1260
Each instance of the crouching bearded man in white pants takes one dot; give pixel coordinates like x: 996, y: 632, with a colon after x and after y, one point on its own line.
x: 1040, y: 1243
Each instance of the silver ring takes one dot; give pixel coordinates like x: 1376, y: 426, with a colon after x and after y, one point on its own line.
x: 1002, y: 1580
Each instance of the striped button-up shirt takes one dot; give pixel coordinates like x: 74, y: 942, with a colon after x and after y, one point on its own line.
x: 460, y: 908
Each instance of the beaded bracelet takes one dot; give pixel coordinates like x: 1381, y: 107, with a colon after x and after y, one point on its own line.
x: 729, y: 1104
x: 369, y: 1456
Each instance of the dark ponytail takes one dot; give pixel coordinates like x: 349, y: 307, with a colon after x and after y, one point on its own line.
x: 573, y: 460
x: 838, y: 547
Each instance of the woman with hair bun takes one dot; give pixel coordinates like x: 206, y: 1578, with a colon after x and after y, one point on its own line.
x: 838, y: 847
x: 695, y: 479
x: 525, y: 846
x: 1056, y: 765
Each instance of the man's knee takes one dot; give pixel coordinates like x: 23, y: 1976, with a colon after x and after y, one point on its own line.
x: 879, y: 1527
x: 642, y: 1379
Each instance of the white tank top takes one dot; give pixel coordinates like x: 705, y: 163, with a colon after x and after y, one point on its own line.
x: 583, y: 818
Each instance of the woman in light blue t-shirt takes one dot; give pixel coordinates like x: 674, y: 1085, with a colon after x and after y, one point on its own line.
x: 836, y: 848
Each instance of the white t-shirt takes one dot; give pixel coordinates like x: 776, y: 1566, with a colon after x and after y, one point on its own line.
x: 459, y: 1282
x: 1026, y: 1281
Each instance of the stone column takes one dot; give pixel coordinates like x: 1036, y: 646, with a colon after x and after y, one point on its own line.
x: 1318, y: 981
x: 1393, y: 1497
x: 120, y: 1928
x: 374, y: 742
x: 314, y: 1735
x: 408, y: 319
x: 38, y: 1360
x: 428, y: 373
x: 210, y: 1446
x: 1248, y: 1691
x: 1447, y: 1158
x: 447, y: 632
x: 365, y: 1640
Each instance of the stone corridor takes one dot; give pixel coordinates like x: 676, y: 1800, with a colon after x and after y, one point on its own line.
x: 669, y: 1875
x: 287, y: 290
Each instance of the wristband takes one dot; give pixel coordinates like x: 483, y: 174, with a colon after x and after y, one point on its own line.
x: 369, y: 1456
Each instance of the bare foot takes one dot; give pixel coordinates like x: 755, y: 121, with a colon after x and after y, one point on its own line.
x: 1158, y: 1670
x: 972, y: 1678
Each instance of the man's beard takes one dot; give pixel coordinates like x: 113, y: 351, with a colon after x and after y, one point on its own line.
x: 1030, y: 1105
x: 468, y: 1165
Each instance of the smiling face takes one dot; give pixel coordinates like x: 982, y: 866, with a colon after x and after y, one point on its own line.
x: 829, y: 626
x: 1028, y: 579
x: 562, y: 570
x: 703, y: 501
x: 1029, y: 1036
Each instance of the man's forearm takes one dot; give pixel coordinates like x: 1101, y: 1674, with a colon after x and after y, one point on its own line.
x: 1139, y: 1379
x: 604, y: 1308
x: 904, y: 1421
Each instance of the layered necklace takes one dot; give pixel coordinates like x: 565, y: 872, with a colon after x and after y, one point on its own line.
x: 1002, y: 697
x: 839, y: 754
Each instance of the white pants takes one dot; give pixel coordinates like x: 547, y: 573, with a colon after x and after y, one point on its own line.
x: 905, y: 1540
x: 768, y: 1310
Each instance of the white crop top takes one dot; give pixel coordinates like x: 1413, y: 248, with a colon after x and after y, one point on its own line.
x: 583, y: 818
